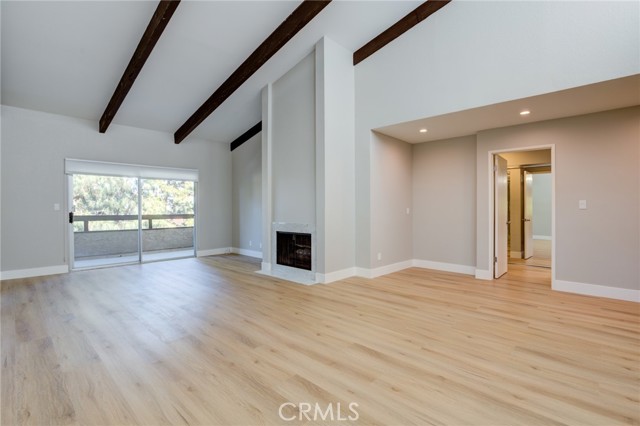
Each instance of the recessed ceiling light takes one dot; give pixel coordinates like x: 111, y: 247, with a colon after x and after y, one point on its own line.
x: 423, y: 130
x: 525, y: 112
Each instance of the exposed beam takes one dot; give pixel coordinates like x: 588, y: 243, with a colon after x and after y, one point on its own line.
x: 246, y: 136
x: 300, y: 17
x: 413, y: 18
x: 154, y: 30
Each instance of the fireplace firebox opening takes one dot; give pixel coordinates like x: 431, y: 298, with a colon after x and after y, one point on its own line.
x: 293, y: 249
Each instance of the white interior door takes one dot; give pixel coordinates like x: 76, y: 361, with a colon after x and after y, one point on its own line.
x: 501, y: 221
x: 527, y: 214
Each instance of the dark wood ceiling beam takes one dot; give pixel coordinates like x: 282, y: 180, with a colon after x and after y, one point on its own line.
x: 246, y: 136
x: 300, y: 17
x: 152, y: 34
x: 413, y: 18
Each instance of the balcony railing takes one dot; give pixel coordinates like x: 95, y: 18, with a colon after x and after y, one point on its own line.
x: 111, y: 218
x: 98, y: 243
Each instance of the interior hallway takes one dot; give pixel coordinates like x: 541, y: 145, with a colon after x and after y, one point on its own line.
x: 541, y: 255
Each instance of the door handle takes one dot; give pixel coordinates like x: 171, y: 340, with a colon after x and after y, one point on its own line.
x: 70, y: 217
x: 526, y: 220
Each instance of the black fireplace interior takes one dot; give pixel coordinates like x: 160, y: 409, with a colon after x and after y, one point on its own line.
x: 294, y: 250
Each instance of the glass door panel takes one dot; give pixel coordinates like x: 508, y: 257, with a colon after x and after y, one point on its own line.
x: 105, y: 220
x: 168, y: 219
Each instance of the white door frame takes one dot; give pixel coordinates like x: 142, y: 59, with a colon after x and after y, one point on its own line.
x: 69, y: 226
x: 501, y: 233
x: 491, y: 218
x: 70, y: 233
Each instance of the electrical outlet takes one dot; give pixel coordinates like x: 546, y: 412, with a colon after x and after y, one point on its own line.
x: 408, y: 210
x: 379, y: 256
x: 260, y: 245
x: 56, y: 207
x: 250, y: 243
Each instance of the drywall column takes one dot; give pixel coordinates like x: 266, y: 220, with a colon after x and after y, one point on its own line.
x: 267, y: 209
x: 335, y: 161
x: 246, y: 195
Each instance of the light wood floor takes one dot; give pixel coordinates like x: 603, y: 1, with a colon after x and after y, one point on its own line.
x: 207, y: 341
x: 541, y: 255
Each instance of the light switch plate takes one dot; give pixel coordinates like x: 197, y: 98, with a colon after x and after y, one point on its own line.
x: 56, y: 207
x: 582, y: 204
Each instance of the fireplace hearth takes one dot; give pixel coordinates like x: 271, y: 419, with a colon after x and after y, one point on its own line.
x: 293, y: 250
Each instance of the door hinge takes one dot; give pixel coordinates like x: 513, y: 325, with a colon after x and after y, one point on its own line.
x: 495, y: 259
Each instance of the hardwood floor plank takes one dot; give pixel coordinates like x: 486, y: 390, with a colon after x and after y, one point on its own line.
x: 207, y: 341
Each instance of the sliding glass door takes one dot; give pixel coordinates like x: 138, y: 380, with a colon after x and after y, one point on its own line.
x: 105, y: 220
x: 168, y: 219
x: 118, y: 220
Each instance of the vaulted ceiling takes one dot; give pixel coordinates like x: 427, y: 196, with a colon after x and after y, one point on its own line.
x: 66, y: 57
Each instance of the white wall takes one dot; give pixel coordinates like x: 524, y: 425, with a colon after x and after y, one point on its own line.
x: 247, y: 195
x: 34, y: 146
x: 444, y: 201
x: 391, y: 196
x: 596, y: 159
x: 335, y: 160
x: 541, y: 204
x: 293, y: 145
x: 507, y: 51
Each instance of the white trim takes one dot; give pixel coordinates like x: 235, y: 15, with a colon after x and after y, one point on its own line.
x: 335, y: 276
x: 628, y: 294
x: 245, y: 252
x: 265, y: 267
x: 516, y: 254
x: 542, y: 237
x: 417, y: 263
x: 34, y: 272
x: 363, y: 272
x: 483, y: 274
x: 446, y: 267
x: 103, y: 168
x: 282, y: 274
x: 213, y: 252
x: 384, y: 270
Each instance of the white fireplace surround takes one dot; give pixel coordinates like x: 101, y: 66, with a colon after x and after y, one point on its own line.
x: 286, y: 272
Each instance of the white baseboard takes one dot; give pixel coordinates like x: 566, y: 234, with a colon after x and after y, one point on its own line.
x: 418, y: 263
x: 363, y: 272
x: 445, y: 267
x: 213, y: 252
x: 245, y: 252
x: 542, y: 237
x: 390, y: 269
x: 335, y: 276
x: 597, y: 290
x: 34, y: 272
x: 266, y: 267
x: 384, y: 270
x: 483, y: 274
x: 516, y: 254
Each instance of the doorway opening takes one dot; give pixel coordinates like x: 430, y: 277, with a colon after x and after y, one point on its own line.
x: 523, y: 209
